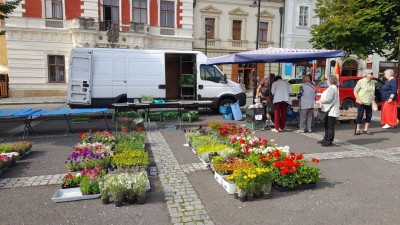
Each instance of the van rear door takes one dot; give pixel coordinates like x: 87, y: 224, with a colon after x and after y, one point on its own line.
x: 80, y: 77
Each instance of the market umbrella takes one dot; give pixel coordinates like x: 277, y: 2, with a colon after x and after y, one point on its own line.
x: 266, y: 55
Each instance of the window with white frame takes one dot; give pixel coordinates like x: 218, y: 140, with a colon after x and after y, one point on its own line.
x: 236, y: 30
x: 209, y: 26
x: 56, y: 65
x: 167, y: 14
x: 263, y: 32
x: 110, y: 13
x: 303, y: 16
x: 54, y: 9
x: 139, y: 11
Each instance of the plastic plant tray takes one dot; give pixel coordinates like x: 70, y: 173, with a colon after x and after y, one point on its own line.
x: 71, y: 194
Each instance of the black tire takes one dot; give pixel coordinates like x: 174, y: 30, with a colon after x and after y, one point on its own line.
x: 348, y: 103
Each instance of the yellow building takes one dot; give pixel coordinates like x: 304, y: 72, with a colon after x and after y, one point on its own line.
x: 3, y: 64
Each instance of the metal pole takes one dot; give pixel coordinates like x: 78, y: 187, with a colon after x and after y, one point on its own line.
x: 205, y: 44
x: 255, y: 75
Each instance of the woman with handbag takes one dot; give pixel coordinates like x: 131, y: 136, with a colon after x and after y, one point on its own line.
x: 329, y: 102
x: 365, y: 96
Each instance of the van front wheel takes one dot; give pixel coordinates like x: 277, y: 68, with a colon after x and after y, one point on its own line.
x: 348, y: 103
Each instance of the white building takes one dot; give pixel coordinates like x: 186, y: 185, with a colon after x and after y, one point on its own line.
x: 232, y: 27
x: 41, y: 33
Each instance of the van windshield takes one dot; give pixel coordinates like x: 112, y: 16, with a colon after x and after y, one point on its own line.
x: 210, y: 73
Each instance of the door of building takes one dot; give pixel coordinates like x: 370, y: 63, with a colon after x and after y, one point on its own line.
x: 3, y: 85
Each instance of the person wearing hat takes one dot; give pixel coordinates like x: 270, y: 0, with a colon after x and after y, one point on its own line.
x: 364, y: 92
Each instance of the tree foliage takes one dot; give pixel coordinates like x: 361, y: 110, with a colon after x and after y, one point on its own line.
x: 7, y: 8
x: 360, y: 27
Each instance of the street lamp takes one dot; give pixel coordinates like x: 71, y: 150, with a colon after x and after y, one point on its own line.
x: 256, y: 3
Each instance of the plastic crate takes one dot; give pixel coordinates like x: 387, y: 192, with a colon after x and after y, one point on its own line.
x: 227, y: 116
x: 255, y: 125
x: 169, y: 116
x: 225, y: 109
x: 154, y: 116
x: 255, y: 114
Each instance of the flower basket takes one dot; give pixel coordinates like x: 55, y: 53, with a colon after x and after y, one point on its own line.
x: 296, y: 188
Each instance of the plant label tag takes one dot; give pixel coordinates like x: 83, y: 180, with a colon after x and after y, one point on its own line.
x: 258, y: 117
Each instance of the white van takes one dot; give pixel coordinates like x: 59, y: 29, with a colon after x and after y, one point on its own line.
x: 99, y: 77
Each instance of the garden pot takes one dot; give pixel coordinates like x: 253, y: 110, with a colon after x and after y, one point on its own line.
x: 118, y: 203
x: 139, y: 128
x: 257, y: 195
x: 141, y: 199
x: 235, y: 195
x: 131, y: 199
x: 250, y: 197
x: 266, y: 189
x: 124, y: 129
x: 297, y: 188
x: 105, y: 201
x: 241, y: 194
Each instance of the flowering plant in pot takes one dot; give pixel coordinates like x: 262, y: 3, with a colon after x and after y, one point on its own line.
x: 88, y: 159
x: 292, y: 171
x: 116, y: 186
x: 98, y: 136
x: 140, y: 187
x: 130, y: 159
x: 104, y: 191
x: 229, y: 165
x: 71, y: 180
x: 125, y: 123
x: 139, y: 123
x: 246, y: 179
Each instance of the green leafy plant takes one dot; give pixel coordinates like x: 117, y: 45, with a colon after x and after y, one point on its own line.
x: 147, y: 98
x: 130, y: 159
x: 188, y: 79
x: 89, y: 185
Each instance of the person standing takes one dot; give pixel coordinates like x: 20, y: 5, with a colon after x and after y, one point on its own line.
x: 307, y: 99
x: 329, y: 102
x: 365, y: 96
x: 265, y: 96
x: 281, y: 92
x: 389, y: 99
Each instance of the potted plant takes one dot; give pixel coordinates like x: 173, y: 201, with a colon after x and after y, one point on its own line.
x: 140, y: 187
x: 147, y: 99
x: 70, y: 181
x: 291, y: 172
x: 125, y: 122
x: 139, y: 123
x: 115, y: 185
x: 104, y: 192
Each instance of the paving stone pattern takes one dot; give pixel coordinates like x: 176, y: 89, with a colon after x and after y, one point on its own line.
x: 31, y: 181
x: 355, y: 151
x: 184, y: 206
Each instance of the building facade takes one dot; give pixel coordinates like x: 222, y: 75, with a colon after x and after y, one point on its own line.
x: 230, y: 26
x: 41, y: 33
x: 299, y: 16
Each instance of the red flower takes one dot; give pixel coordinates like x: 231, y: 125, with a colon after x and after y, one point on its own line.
x: 300, y: 157
x: 262, y: 159
x: 284, y: 170
x: 296, y: 164
x: 292, y: 170
x: 242, y: 141
x: 277, y: 154
x: 315, y: 160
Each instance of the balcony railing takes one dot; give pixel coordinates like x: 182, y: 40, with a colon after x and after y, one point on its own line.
x: 138, y: 27
x: 104, y: 25
x: 167, y: 31
x: 262, y: 44
x: 54, y: 23
x: 237, y: 43
x: 87, y: 23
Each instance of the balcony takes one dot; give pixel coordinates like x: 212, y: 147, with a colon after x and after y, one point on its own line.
x: 54, y: 23
x: 262, y: 44
x: 138, y: 27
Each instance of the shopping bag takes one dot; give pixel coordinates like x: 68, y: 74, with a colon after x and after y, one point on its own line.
x: 237, y: 113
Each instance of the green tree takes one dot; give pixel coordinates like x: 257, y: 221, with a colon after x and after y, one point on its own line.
x: 7, y: 8
x: 360, y: 27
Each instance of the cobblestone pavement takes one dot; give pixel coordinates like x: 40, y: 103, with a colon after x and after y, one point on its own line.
x: 184, y: 206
